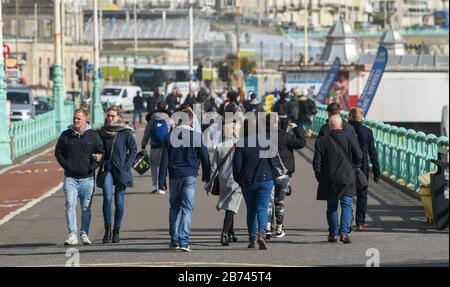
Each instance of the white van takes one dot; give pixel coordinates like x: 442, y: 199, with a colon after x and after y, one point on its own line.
x: 121, y: 96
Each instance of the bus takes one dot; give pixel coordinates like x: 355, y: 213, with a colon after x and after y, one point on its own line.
x: 152, y: 77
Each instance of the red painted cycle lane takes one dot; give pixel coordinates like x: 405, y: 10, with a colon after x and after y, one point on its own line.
x: 28, y: 181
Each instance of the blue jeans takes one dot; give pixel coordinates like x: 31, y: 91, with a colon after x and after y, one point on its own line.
x: 182, y: 202
x: 74, y: 188
x: 257, y: 197
x: 119, y: 200
x: 136, y: 113
x: 346, y: 215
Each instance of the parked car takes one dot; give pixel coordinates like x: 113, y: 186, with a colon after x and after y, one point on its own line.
x: 22, y: 102
x: 43, y: 105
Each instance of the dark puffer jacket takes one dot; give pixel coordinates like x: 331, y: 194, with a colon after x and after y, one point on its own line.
x: 74, y: 152
x: 287, y: 143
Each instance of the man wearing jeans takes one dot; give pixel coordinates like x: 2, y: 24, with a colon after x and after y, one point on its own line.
x: 78, y: 151
x: 336, y: 155
x: 183, y: 148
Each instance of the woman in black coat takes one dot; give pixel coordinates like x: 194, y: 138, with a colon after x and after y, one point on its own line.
x: 120, y: 153
x: 367, y: 145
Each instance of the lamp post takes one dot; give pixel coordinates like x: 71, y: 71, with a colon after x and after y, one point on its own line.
x: 135, y: 33
x: 306, y: 32
x: 5, y: 151
x: 97, y: 110
x: 238, y: 42
x: 191, y: 43
x: 58, y: 81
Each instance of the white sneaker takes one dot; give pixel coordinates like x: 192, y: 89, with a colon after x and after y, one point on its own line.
x: 71, y: 240
x: 159, y: 191
x: 85, y: 240
x: 185, y: 248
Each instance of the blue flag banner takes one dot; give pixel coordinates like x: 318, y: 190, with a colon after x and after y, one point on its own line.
x: 324, y: 92
x: 251, y: 84
x: 374, y: 80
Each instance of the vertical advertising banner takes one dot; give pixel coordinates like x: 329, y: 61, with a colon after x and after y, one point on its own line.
x: 251, y: 84
x: 329, y: 81
x: 374, y: 80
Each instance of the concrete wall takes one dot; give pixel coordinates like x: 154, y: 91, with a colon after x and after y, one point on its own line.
x: 410, y: 97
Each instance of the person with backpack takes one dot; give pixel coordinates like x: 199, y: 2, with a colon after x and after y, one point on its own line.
x: 334, y: 162
x: 157, y: 128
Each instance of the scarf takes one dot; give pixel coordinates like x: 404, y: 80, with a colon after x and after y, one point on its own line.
x: 111, y: 130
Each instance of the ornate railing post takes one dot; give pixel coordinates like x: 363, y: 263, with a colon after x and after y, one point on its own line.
x: 432, y: 152
x: 402, y: 156
x: 420, y: 157
x: 379, y: 144
x: 394, y: 158
x: 386, y: 149
x: 411, y: 157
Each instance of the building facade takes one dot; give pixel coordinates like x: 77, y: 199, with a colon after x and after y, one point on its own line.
x: 37, y: 58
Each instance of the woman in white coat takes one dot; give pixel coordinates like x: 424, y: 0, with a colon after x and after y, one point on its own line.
x: 230, y: 197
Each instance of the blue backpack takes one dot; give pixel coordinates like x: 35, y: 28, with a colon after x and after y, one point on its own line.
x: 159, y: 131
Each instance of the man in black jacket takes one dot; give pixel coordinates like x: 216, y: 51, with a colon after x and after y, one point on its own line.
x: 78, y: 151
x: 335, y: 109
x: 367, y: 143
x: 335, y: 157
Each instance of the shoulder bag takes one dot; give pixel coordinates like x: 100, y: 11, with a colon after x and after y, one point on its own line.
x: 214, y: 186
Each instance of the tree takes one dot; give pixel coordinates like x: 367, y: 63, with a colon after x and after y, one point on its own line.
x: 248, y: 66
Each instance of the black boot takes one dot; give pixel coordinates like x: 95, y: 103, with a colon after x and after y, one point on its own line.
x: 115, y: 237
x: 224, y: 240
x: 251, y: 242
x: 107, y: 236
x: 232, y: 237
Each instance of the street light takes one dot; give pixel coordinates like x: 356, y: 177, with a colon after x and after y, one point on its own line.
x: 97, y: 110
x: 58, y: 82
x: 5, y: 151
x: 191, y: 43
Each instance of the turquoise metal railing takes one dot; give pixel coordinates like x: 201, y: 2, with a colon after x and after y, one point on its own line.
x: 403, y: 154
x: 29, y: 135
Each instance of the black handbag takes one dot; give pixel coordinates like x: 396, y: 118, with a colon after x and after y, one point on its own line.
x: 103, y: 171
x: 142, y: 162
x: 361, y: 179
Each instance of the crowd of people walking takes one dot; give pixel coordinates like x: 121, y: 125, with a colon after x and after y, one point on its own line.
x: 234, y: 157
